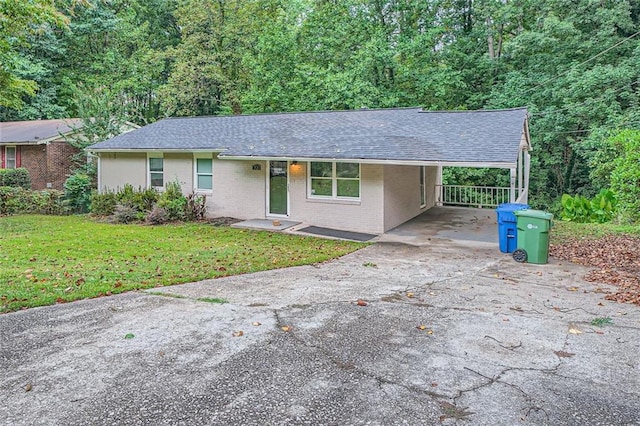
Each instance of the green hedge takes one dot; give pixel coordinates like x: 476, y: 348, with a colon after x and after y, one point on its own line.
x: 23, y: 201
x: 17, y: 178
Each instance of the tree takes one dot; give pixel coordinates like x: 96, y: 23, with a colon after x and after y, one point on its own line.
x: 18, y: 20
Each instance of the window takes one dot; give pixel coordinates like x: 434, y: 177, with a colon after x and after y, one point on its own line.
x: 204, y: 174
x: 10, y: 157
x: 423, y: 187
x: 334, y: 180
x: 156, y: 172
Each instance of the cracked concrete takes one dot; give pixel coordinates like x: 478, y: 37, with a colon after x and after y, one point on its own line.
x: 452, y: 333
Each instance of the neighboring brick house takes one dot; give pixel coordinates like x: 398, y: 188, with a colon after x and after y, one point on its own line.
x: 41, y: 148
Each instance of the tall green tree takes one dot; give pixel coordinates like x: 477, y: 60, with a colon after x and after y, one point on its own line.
x: 18, y: 20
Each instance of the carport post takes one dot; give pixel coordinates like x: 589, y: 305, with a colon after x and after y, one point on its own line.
x: 439, y: 189
x: 512, y: 194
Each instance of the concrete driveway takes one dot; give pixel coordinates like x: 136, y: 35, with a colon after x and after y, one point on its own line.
x: 452, y: 333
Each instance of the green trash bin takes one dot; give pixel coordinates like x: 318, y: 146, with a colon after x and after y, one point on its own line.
x: 533, y: 236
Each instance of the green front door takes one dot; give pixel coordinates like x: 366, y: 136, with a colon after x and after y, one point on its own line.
x: 278, y: 190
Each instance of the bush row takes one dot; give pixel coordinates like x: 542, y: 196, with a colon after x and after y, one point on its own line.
x: 135, y: 205
x: 17, y: 178
x: 17, y: 200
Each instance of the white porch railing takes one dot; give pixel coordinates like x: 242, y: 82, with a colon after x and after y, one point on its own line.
x: 473, y: 196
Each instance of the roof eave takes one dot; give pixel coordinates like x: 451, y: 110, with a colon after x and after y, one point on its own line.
x: 397, y: 162
x: 143, y: 150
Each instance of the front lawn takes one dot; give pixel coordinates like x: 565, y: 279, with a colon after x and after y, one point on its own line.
x: 53, y: 259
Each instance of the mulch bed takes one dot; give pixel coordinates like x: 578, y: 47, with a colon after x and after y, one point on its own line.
x: 616, y: 259
x: 223, y: 221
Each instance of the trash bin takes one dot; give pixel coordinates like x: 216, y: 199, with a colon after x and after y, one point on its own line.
x: 507, y: 228
x: 533, y: 236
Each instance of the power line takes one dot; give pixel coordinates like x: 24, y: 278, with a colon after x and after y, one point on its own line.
x: 592, y: 129
x: 543, y: 113
x: 583, y: 62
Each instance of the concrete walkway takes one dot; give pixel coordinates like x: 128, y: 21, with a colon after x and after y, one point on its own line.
x: 452, y: 332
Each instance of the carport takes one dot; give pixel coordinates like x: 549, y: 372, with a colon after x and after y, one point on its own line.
x: 471, y: 225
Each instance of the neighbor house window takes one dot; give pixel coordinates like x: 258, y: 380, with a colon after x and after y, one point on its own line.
x: 334, y: 180
x: 204, y: 174
x: 156, y: 171
x: 10, y: 157
x: 423, y: 186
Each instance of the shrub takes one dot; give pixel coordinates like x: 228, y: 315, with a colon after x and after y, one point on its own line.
x: 625, y: 176
x: 580, y: 209
x: 196, y: 208
x: 173, y: 202
x: 17, y: 200
x: 77, y: 192
x: 125, y: 213
x: 145, y: 199
x: 103, y: 204
x: 141, y: 199
x: 12, y: 200
x: 157, y: 216
x: 17, y: 178
x: 49, y: 202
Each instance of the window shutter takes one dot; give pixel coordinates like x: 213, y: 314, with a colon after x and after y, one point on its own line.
x: 2, y: 148
x: 18, y: 160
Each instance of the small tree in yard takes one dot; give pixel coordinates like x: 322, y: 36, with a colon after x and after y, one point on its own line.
x: 77, y: 192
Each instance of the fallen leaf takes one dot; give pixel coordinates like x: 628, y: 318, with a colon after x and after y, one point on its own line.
x: 361, y: 302
x: 573, y: 288
x: 28, y: 387
x: 286, y: 328
x: 256, y: 323
x: 563, y: 354
x: 237, y: 333
x: 409, y: 295
x: 599, y: 332
x: 429, y: 331
x: 421, y: 327
x: 573, y: 329
x: 434, y: 384
x: 129, y: 336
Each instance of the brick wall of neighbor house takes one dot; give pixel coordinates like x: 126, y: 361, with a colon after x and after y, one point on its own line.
x: 34, y: 159
x: 49, y: 165
x: 401, y: 194
x: 119, y: 168
x: 365, y: 215
x: 59, y: 163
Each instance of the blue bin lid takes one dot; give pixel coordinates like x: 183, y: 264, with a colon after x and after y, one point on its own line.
x: 511, y: 207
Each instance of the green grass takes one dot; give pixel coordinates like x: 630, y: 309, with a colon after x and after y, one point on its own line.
x: 52, y: 259
x: 564, y: 231
x: 215, y: 300
x: 601, y: 321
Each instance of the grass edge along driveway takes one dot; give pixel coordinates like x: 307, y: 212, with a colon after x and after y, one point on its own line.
x: 56, y: 259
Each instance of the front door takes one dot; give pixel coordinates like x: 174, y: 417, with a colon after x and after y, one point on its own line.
x: 278, y: 188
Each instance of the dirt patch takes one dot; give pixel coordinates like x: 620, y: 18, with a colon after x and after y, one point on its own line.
x: 616, y: 259
x: 223, y: 221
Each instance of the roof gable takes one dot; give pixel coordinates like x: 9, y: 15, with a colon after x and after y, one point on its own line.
x: 403, y: 134
x: 36, y: 131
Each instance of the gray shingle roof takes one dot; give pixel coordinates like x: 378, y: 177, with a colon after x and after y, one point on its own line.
x: 36, y: 130
x: 405, y: 134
